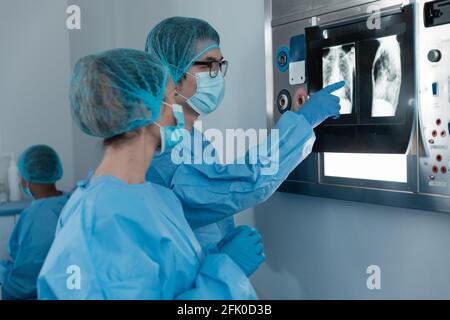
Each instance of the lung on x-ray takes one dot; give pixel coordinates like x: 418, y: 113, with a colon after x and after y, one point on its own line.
x: 386, y: 77
x: 338, y: 63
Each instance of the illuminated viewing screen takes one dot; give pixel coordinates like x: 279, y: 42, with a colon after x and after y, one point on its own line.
x: 382, y: 167
x: 339, y: 64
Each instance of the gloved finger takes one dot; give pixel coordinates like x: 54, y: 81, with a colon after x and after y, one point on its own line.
x: 250, y: 232
x: 239, y: 230
x: 226, y: 239
x: 337, y: 113
x: 244, y: 233
x: 333, y: 87
x: 261, y: 258
x: 256, y: 240
x: 259, y: 248
x: 231, y: 235
x: 255, y: 233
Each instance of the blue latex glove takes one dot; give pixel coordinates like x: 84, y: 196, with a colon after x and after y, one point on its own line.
x: 245, y: 248
x: 322, y: 105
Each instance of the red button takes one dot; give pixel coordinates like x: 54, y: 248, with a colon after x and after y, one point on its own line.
x: 439, y: 158
x: 438, y: 122
x: 443, y: 133
x: 435, y: 169
x: 444, y: 169
x: 434, y: 133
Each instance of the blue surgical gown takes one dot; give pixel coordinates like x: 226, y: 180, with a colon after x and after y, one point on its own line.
x: 211, y: 193
x: 133, y: 242
x: 161, y: 172
x: 28, y: 246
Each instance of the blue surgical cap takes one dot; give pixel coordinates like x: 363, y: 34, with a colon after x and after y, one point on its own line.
x: 40, y: 164
x: 117, y: 91
x: 178, y: 42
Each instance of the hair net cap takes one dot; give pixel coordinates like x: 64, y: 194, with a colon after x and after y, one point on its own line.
x: 117, y: 91
x: 40, y: 164
x: 179, y: 41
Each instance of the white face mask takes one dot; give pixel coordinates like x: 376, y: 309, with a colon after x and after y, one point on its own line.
x: 26, y: 190
x: 209, y: 94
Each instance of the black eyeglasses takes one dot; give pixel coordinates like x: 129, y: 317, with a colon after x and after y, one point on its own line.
x: 214, y: 67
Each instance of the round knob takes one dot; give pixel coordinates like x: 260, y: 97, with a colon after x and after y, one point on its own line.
x: 434, y: 55
x: 283, y: 102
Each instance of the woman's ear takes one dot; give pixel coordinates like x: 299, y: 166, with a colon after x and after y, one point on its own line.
x: 178, y: 87
x: 153, y: 134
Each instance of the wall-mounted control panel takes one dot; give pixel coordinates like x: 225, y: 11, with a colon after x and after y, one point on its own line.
x: 434, y: 95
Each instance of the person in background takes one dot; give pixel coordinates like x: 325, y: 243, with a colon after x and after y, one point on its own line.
x: 40, y: 168
x: 120, y: 237
x: 212, y: 193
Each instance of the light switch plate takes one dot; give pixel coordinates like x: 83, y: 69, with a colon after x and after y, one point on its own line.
x: 297, y: 72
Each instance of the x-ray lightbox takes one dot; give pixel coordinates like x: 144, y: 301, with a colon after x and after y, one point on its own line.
x: 377, y: 102
x: 391, y: 144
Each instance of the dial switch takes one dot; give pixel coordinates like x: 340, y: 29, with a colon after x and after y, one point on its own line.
x: 434, y: 55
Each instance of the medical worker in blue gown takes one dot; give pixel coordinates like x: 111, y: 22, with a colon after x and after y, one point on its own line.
x: 212, y: 194
x: 40, y: 168
x: 120, y: 237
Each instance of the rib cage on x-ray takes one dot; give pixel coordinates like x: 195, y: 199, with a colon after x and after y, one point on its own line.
x: 386, y: 77
x: 339, y: 64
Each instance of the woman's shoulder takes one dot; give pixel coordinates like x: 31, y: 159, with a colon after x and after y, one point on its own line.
x: 107, y: 194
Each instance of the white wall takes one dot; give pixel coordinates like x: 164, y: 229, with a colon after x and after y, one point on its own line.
x: 320, y: 248
x: 97, y: 34
x: 34, y: 78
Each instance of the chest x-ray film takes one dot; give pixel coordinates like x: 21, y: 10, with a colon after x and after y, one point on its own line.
x: 377, y: 102
x: 386, y: 77
x: 338, y: 63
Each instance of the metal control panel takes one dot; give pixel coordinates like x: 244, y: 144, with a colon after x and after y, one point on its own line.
x: 289, y: 83
x: 434, y: 96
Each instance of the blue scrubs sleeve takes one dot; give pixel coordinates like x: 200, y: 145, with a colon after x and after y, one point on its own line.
x: 21, y: 274
x: 210, y: 193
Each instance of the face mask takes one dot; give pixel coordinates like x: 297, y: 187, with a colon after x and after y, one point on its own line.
x: 209, y: 93
x: 172, y: 135
x: 27, y: 192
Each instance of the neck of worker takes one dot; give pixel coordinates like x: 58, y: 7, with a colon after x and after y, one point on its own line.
x: 130, y: 161
x: 40, y: 191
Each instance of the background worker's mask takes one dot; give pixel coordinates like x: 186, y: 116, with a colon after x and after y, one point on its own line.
x: 26, y: 190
